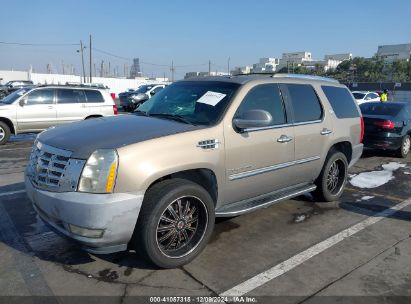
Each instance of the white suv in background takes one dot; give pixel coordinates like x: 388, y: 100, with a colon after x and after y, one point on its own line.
x: 39, y: 108
x: 365, y: 96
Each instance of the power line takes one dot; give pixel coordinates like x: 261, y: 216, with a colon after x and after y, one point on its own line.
x: 39, y: 44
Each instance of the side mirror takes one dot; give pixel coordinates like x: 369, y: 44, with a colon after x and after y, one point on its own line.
x: 22, y: 102
x: 253, y: 119
x: 152, y: 93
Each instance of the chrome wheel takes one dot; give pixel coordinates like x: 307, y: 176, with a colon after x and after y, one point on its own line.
x: 2, y: 133
x: 182, y: 226
x: 405, y: 146
x: 336, y: 177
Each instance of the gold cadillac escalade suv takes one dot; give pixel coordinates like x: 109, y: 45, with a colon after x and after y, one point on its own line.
x: 155, y: 180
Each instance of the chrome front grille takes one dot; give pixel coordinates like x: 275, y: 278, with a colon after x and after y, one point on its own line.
x: 47, y: 166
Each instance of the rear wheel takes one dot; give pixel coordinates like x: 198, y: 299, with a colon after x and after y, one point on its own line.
x: 332, y: 179
x: 175, y: 223
x: 4, y: 133
x: 405, y: 147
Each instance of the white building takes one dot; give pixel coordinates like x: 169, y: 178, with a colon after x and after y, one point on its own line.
x: 266, y: 65
x: 242, y: 70
x: 394, y: 51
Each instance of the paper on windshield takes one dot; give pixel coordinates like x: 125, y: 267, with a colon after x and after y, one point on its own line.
x: 211, y: 98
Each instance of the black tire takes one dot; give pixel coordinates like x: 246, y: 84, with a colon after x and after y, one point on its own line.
x: 331, y: 182
x: 405, y: 147
x: 4, y: 133
x: 150, y: 241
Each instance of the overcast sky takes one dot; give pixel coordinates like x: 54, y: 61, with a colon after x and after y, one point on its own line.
x: 192, y: 32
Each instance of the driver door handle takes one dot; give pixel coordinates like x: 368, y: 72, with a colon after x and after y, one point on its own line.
x: 284, y: 139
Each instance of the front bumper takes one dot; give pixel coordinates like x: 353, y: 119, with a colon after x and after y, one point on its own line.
x: 356, y: 154
x: 116, y: 214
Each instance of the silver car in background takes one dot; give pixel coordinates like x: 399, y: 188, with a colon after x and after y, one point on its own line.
x: 36, y: 109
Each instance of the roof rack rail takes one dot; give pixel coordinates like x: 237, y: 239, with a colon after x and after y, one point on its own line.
x: 296, y: 76
x: 305, y: 76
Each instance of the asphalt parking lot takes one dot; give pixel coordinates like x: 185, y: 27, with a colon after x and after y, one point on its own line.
x: 296, y: 251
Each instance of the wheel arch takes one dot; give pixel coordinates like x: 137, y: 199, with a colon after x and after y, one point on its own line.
x: 204, y: 177
x: 9, y: 123
x: 343, y: 146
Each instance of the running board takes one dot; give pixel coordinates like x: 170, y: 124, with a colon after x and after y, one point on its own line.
x: 265, y: 201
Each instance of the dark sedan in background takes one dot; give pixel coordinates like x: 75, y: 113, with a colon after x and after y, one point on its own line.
x: 387, y: 126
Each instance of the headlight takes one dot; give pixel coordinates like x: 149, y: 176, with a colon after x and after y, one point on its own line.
x: 99, y: 173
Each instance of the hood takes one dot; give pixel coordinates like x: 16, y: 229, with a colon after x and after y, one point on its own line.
x: 83, y: 138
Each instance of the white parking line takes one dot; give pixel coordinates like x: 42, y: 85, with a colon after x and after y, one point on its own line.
x: 12, y: 192
x: 280, y: 269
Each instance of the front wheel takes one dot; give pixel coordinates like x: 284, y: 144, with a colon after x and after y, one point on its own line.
x: 4, y: 133
x: 175, y: 223
x: 332, y: 179
x: 405, y: 147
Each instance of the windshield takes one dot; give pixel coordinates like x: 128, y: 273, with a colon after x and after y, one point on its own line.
x: 198, y: 102
x: 143, y: 89
x: 380, y: 109
x: 358, y: 95
x: 9, y: 99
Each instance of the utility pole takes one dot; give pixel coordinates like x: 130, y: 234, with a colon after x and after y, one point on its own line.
x: 228, y: 66
x: 172, y: 71
x: 62, y: 65
x: 91, y: 76
x: 102, y: 69
x: 109, y: 69
x: 95, y: 70
x: 209, y: 67
x: 82, y: 60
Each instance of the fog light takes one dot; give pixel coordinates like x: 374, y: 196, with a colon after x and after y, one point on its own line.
x: 86, y: 232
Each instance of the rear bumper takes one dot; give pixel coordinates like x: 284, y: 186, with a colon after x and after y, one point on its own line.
x: 383, y: 143
x: 115, y: 215
x: 356, y: 154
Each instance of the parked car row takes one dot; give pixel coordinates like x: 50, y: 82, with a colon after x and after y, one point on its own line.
x: 34, y: 109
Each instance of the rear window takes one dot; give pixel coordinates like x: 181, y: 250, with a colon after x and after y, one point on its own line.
x: 305, y: 103
x: 94, y: 96
x: 341, y: 101
x: 380, y: 109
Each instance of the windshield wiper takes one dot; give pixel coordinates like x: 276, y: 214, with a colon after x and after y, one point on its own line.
x: 173, y: 117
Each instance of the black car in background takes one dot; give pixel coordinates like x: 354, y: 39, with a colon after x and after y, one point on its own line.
x: 387, y: 126
x: 13, y: 86
x: 130, y: 100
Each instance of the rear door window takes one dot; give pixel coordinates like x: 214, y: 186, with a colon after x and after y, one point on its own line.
x: 94, y: 96
x: 264, y: 97
x: 305, y: 103
x: 70, y: 96
x: 341, y: 101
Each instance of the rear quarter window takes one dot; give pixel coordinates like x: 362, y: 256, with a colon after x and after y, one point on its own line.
x: 341, y: 101
x: 94, y: 96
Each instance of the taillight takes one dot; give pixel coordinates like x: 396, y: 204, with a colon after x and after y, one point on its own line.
x: 362, y: 129
x: 385, y: 124
x: 113, y: 95
x: 115, y: 110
